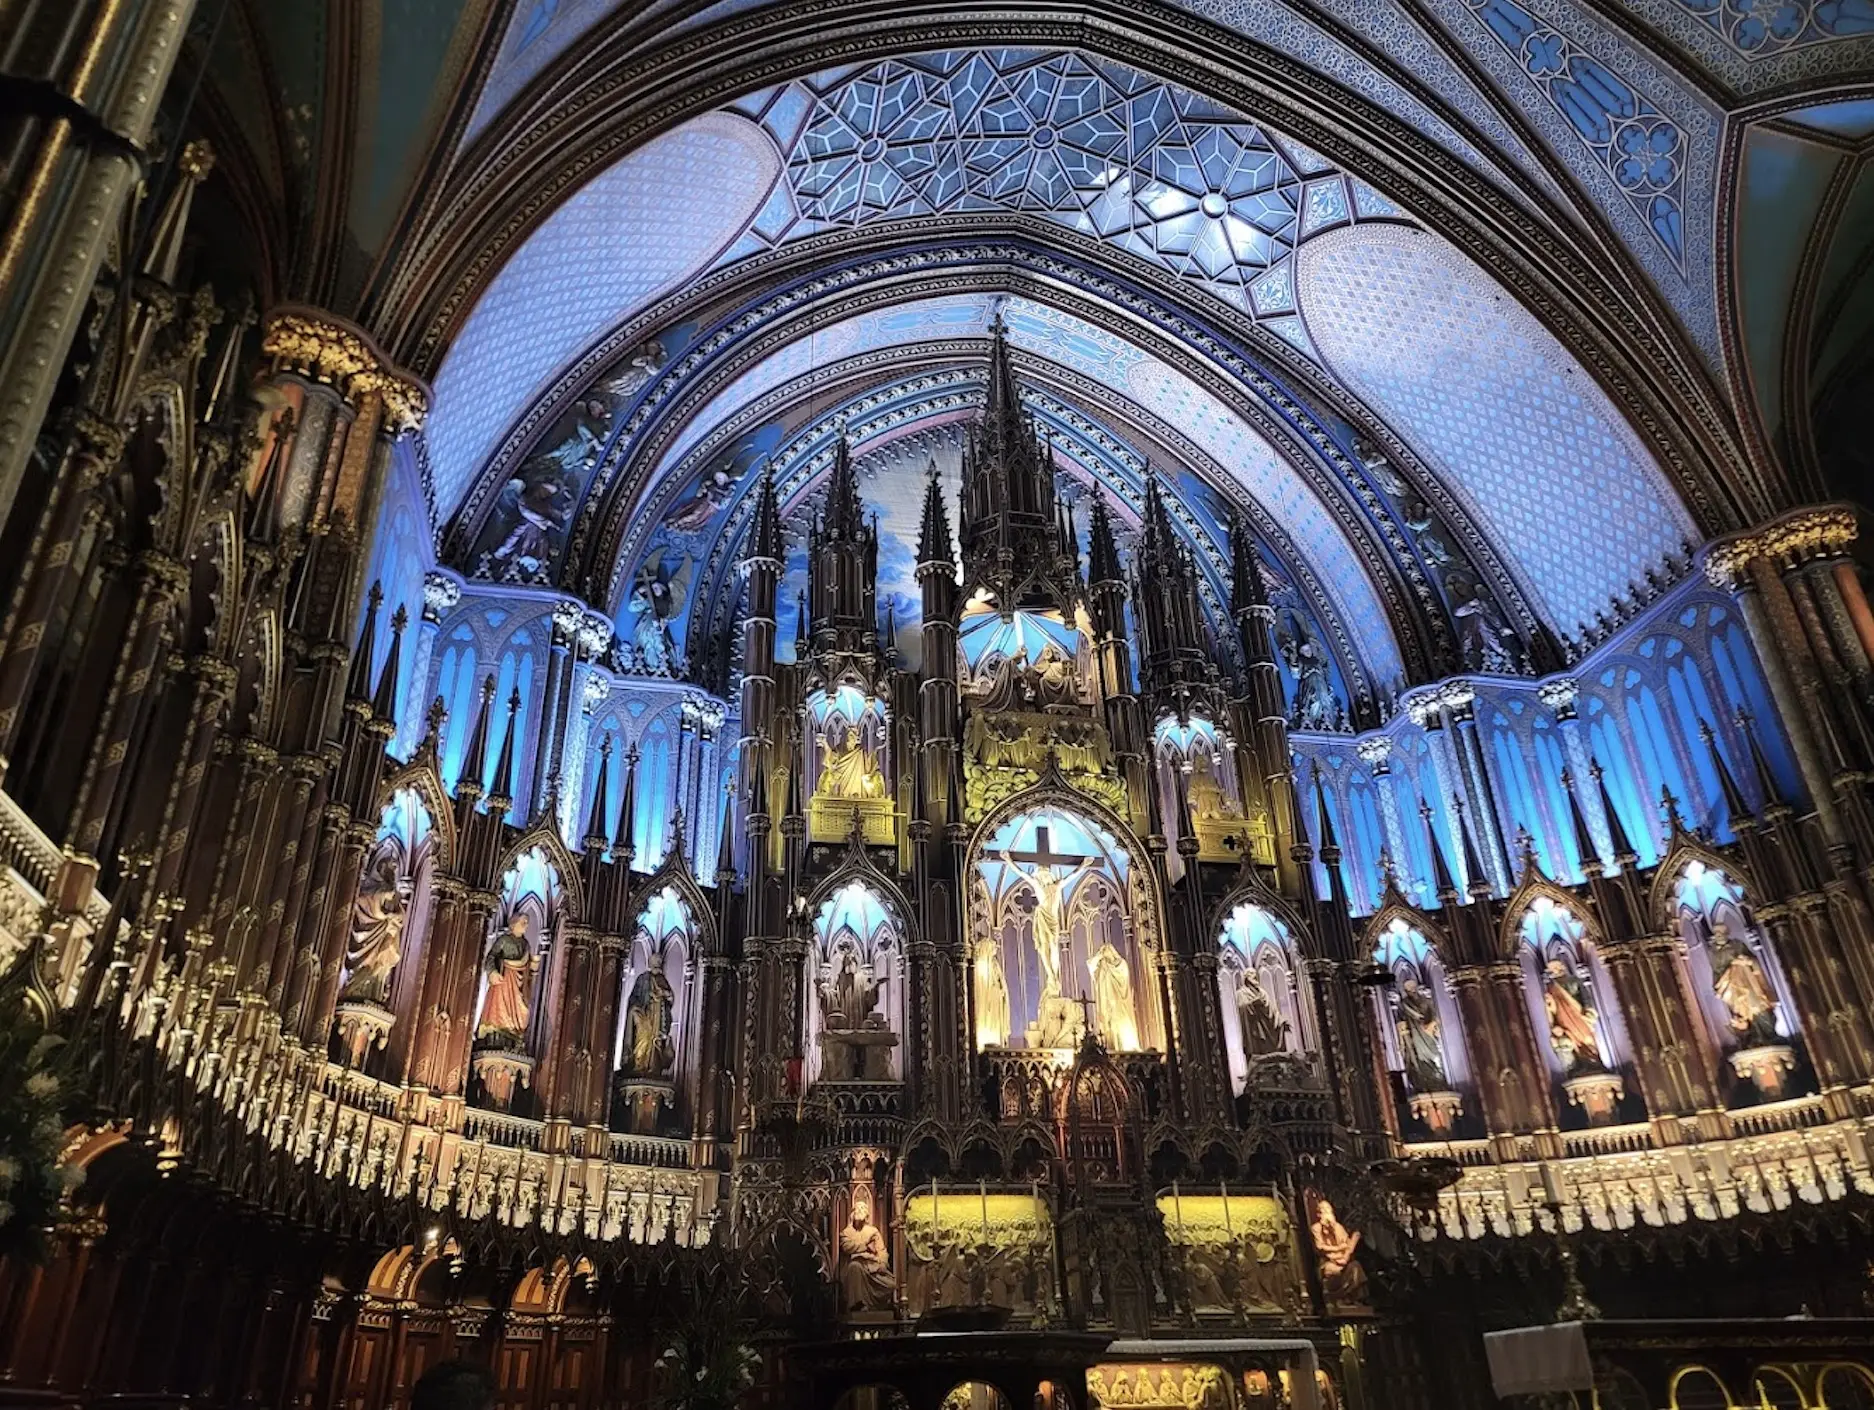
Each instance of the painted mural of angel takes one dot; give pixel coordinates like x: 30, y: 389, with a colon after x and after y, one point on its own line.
x: 644, y: 362
x: 657, y: 597
x: 1483, y: 636
x: 1315, y: 705
x: 713, y: 490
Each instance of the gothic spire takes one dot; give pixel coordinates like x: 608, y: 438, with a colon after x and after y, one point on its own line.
x: 1442, y: 879
x: 1766, y: 779
x: 1102, y: 551
x: 1473, y: 863
x: 933, y: 540
x: 1735, y: 808
x: 384, y: 701
x: 595, y: 839
x: 844, y: 517
x: 1246, y: 588
x: 1584, y: 836
x: 475, y: 754
x: 358, y: 687
x: 764, y: 542
x: 1616, y: 830
x: 504, y: 766
x: 627, y: 830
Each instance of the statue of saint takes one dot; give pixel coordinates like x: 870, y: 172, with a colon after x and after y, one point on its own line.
x: 1209, y: 803
x: 1419, y: 1032
x: 1054, y: 684
x: 1264, y: 1030
x: 648, y: 1016
x: 377, y: 921
x: 1570, y: 1006
x: 1112, y: 998
x: 1342, y: 1279
x: 848, y: 993
x: 510, y: 969
x: 1743, y: 989
x: 865, y: 1279
x: 992, y: 995
x: 848, y: 770
x: 1050, y: 917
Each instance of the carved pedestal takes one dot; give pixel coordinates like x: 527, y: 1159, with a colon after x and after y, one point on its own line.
x: 1438, y: 1110
x: 641, y: 1103
x: 499, y: 1072
x: 831, y: 819
x: 361, y: 1027
x: 857, y: 1055
x: 1767, y: 1068
x: 1598, y: 1094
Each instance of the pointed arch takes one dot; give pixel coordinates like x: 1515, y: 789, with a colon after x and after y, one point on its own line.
x: 1535, y: 885
x: 1394, y: 907
x: 675, y: 874
x: 545, y: 836
x: 421, y: 778
x: 1662, y: 896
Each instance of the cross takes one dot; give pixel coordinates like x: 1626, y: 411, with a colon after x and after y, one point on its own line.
x: 1086, y: 1012
x: 1043, y: 854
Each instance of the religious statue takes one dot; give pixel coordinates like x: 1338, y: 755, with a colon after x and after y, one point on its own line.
x: 1264, y: 1030
x: 509, y: 969
x: 648, y: 1014
x: 847, y: 993
x: 1050, y: 916
x: 848, y: 770
x: 1315, y: 705
x: 1053, y: 680
x: 992, y: 994
x: 1570, y: 1006
x: 1342, y: 1278
x: 1209, y: 803
x: 1112, y: 997
x: 1419, y: 1034
x: 1743, y: 989
x: 377, y: 921
x: 1005, y: 682
x: 865, y: 1278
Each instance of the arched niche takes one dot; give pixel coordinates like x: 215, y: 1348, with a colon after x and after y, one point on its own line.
x: 1738, y: 983
x: 1060, y: 935
x: 1575, y: 1015
x: 652, y: 1058
x: 848, y: 737
x: 1265, y: 1012
x: 1421, y: 1031
x: 510, y: 1024
x: 855, y: 992
x: 1197, y: 752
x: 389, y: 917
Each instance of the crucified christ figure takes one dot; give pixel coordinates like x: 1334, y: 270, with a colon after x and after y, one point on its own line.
x: 1050, y: 921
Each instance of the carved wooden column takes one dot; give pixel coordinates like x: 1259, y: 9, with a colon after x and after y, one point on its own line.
x: 1670, y: 1062
x: 1508, y: 1071
x: 478, y: 914
x: 568, y: 1068
x: 607, y: 980
x: 441, y: 955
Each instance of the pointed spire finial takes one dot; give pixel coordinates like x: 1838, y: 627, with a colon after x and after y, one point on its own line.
x: 1616, y: 829
x: 595, y: 839
x: 384, y: 699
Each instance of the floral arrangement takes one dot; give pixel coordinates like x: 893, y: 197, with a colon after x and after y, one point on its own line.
x: 707, y: 1362
x: 33, y: 1180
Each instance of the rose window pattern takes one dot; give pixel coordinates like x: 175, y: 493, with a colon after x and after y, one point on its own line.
x: 1193, y: 187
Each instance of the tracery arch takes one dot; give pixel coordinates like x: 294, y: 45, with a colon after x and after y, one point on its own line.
x: 855, y: 990
x: 1743, y: 995
x: 511, y: 1028
x: 1574, y: 1010
x: 1421, y: 1029
x: 1266, y: 1011
x: 653, y: 1056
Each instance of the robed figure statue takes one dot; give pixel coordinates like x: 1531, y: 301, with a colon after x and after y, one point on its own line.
x: 1112, y: 998
x: 1264, y: 1030
x: 849, y: 771
x: 509, y: 970
x: 648, y: 1015
x: 377, y: 921
x: 865, y: 1278
x: 1420, y: 1037
x: 1744, y: 990
x: 1570, y: 1006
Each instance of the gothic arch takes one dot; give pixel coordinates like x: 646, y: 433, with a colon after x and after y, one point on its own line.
x: 419, y: 776
x: 544, y: 835
x: 1395, y: 907
x: 675, y: 873
x: 859, y: 866
x: 1662, y: 902
x: 1533, y: 885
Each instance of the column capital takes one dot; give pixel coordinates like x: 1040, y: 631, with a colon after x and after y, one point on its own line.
x: 1813, y: 531
x: 328, y: 349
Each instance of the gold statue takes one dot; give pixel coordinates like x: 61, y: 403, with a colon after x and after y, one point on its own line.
x: 1112, y: 997
x: 848, y: 771
x: 1050, y: 918
x: 1209, y: 803
x: 992, y: 995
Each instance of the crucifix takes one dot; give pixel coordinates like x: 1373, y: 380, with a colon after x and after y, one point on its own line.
x: 1086, y: 1014
x: 1050, y: 918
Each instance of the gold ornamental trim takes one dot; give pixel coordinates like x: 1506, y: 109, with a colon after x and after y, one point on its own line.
x: 317, y: 346
x: 1803, y: 534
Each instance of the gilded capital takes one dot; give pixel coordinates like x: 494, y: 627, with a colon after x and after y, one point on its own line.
x: 1818, y: 531
x: 317, y: 346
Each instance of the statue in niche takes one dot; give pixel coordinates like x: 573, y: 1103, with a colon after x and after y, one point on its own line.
x: 510, y: 969
x: 1005, y: 682
x: 1482, y: 634
x: 848, y: 770
x: 865, y: 1278
x: 848, y: 993
x: 1743, y: 989
x: 1315, y: 706
x: 1111, y: 978
x: 648, y: 1018
x: 855, y: 1041
x: 1420, y: 1031
x: 1264, y: 1030
x: 378, y: 917
x: 1053, y: 681
x: 992, y: 994
x: 1209, y: 803
x: 1570, y: 1006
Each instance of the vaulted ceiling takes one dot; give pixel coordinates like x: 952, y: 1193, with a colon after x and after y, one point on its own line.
x: 1471, y: 308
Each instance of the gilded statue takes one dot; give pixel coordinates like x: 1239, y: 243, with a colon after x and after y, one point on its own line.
x: 648, y: 1018
x: 992, y: 994
x: 1050, y: 916
x: 377, y: 921
x: 865, y: 1278
x: 1209, y: 803
x: 1743, y: 989
x: 1570, y: 1007
x: 848, y: 992
x: 1264, y: 1030
x: 848, y: 770
x: 1112, y: 997
x: 509, y: 970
